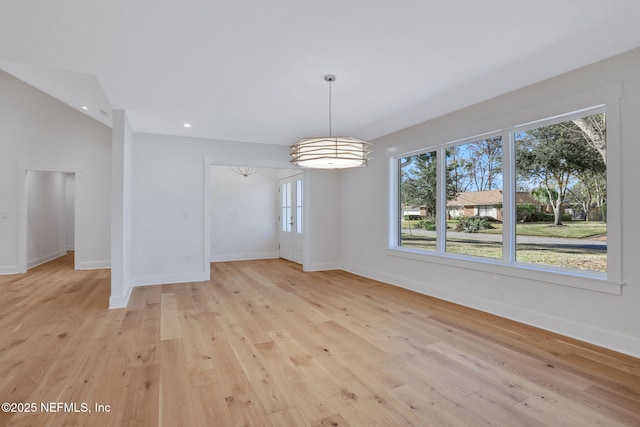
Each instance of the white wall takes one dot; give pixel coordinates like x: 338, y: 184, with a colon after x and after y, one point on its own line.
x: 39, y: 132
x: 171, y: 232
x: 46, y: 217
x: 605, y: 319
x: 243, y: 214
x: 170, y: 228
x: 323, y: 215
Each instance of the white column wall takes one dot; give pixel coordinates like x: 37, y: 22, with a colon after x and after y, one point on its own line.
x: 121, y: 210
x: 69, y: 207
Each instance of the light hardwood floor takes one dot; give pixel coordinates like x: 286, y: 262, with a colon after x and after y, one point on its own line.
x: 263, y: 343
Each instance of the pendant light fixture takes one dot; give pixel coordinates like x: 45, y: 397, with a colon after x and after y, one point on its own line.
x: 330, y: 152
x: 244, y: 170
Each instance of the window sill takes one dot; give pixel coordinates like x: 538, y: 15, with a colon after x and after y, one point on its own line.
x: 596, y: 282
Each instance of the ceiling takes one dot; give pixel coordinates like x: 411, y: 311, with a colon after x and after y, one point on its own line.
x: 252, y: 70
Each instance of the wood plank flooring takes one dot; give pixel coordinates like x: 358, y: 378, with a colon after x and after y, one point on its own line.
x: 264, y: 344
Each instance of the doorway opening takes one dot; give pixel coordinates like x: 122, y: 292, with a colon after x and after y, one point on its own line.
x: 243, y: 214
x: 47, y: 216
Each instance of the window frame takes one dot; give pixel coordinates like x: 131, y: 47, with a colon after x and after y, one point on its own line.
x: 602, y: 100
x: 441, y: 205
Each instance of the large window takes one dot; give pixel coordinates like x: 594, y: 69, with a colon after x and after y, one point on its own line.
x: 474, y: 198
x: 417, y: 202
x: 563, y: 168
x: 533, y: 196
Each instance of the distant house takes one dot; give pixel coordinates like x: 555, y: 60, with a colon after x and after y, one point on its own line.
x: 485, y: 203
x: 412, y: 212
x: 409, y: 212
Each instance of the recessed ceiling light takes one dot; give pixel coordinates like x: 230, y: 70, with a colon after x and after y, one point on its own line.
x: 187, y: 125
x: 85, y: 108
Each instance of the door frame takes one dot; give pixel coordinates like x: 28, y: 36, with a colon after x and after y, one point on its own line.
x: 293, y: 179
x: 207, y: 162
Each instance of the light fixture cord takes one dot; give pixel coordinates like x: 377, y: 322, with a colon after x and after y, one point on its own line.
x: 330, y: 107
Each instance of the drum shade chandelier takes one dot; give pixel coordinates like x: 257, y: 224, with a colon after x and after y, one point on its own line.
x: 330, y: 152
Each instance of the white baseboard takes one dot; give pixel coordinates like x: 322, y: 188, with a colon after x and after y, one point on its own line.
x: 119, y: 301
x: 611, y: 340
x: 92, y: 265
x: 169, y: 278
x: 243, y: 256
x: 9, y: 269
x: 324, y: 266
x: 44, y: 259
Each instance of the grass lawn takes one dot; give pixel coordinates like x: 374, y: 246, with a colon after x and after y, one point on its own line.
x: 570, y: 229
x: 569, y: 257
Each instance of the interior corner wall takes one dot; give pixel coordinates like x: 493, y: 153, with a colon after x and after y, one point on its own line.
x: 38, y: 129
x: 244, y: 214
x: 46, y: 217
x: 600, y: 318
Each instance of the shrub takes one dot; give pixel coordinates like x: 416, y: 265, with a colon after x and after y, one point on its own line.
x: 427, y: 224
x: 473, y: 224
x: 524, y: 211
x: 541, y: 217
x: 547, y: 217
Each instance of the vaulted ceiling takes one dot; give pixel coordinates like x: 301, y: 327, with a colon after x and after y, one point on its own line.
x: 252, y: 70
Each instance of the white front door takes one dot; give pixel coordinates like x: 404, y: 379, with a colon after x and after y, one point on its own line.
x: 291, y: 213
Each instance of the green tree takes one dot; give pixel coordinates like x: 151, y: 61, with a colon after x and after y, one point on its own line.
x: 553, y: 157
x: 591, y: 191
x: 418, y: 175
x: 458, y: 169
x: 418, y: 181
x: 591, y: 194
x: 544, y: 195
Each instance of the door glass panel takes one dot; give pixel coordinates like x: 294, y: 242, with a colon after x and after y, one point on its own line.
x: 285, y: 193
x: 299, y: 206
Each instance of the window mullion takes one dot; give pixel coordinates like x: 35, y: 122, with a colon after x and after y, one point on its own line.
x: 395, y: 214
x: 441, y: 200
x: 509, y: 199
